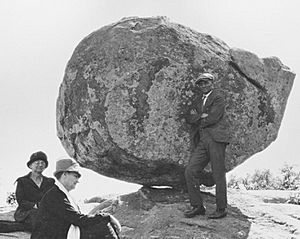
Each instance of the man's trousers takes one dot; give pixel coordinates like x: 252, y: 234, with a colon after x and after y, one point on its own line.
x: 207, y: 151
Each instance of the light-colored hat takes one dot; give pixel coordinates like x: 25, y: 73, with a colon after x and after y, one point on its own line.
x: 67, y: 165
x: 205, y: 77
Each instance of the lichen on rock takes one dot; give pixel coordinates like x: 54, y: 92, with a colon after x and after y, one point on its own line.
x: 127, y: 87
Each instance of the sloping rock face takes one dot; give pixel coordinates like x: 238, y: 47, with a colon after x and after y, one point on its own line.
x: 128, y: 86
x: 152, y: 213
x: 158, y: 213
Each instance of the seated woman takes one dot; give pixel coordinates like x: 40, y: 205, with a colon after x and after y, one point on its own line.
x: 31, y: 188
x: 59, y: 216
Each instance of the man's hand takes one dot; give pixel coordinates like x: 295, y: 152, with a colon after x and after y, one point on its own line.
x: 204, y: 115
x: 115, y: 223
x: 193, y: 112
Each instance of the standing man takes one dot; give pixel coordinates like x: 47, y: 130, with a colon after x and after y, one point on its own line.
x: 210, y: 137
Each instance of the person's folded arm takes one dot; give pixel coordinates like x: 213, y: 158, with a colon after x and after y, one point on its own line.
x: 216, y: 112
x: 20, y: 196
x: 193, y: 118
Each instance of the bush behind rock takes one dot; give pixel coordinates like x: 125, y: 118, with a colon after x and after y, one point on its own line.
x: 288, y: 179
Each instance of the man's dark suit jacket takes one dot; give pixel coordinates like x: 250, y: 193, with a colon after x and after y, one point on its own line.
x: 56, y: 214
x: 215, y: 124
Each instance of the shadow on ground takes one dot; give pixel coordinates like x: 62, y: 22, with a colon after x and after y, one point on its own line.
x: 158, y: 213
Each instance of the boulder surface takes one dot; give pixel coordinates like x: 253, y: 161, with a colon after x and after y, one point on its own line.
x: 128, y: 86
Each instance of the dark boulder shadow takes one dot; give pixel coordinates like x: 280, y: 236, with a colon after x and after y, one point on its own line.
x: 158, y: 213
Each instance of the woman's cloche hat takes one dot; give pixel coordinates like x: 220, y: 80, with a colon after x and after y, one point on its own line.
x: 67, y: 165
x: 37, y: 156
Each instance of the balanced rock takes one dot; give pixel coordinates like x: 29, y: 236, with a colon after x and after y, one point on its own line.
x: 127, y: 87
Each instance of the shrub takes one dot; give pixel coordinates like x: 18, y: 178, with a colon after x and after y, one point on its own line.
x: 234, y: 182
x: 288, y: 179
x: 263, y: 179
x: 11, y: 199
x: 294, y: 199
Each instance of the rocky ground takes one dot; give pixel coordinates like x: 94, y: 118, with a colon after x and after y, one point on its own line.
x: 158, y: 213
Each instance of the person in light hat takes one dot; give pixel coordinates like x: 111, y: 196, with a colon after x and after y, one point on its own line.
x: 30, y: 190
x: 59, y: 216
x: 210, y: 136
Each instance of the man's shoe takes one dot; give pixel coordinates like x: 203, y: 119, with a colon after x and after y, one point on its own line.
x: 218, y: 214
x: 200, y: 210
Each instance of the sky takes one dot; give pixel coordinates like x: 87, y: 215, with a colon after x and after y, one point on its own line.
x: 38, y: 38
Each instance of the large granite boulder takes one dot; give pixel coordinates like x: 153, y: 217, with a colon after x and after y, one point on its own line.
x: 127, y: 87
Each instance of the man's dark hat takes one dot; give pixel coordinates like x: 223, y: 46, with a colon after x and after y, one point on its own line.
x: 205, y: 77
x: 38, y: 156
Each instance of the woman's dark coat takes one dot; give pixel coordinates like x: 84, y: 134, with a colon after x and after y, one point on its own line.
x: 56, y: 214
x: 29, y: 194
